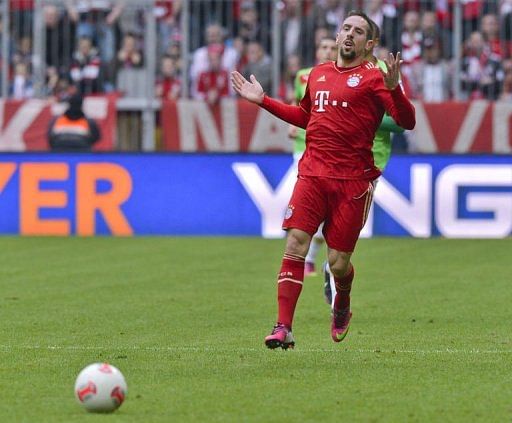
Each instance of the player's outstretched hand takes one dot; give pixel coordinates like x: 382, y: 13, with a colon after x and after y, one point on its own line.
x: 392, y: 76
x: 251, y: 91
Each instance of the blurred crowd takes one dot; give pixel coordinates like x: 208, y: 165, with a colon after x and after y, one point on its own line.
x: 100, y: 46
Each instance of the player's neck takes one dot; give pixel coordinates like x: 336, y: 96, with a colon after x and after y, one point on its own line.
x: 349, y: 63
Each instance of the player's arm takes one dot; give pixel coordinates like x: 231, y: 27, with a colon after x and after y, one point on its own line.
x: 395, y: 101
x: 388, y: 124
x: 253, y: 92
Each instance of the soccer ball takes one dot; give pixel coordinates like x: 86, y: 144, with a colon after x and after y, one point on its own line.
x: 100, y: 388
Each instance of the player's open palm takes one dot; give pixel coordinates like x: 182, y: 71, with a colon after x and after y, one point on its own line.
x: 251, y: 91
x: 392, y: 76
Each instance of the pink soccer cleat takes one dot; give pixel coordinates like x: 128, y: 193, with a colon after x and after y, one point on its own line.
x: 281, y: 336
x: 309, y: 269
x: 340, y: 323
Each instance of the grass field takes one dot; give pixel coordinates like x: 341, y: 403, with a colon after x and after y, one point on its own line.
x: 184, y: 319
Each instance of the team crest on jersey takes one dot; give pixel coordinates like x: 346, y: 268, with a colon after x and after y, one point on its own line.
x: 354, y: 80
x: 304, y: 78
x: 289, y: 212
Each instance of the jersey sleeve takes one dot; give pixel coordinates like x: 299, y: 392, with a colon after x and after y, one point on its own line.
x: 296, y: 115
x: 396, y: 104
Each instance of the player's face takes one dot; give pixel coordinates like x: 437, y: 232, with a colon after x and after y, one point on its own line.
x: 352, y: 38
x: 327, y: 50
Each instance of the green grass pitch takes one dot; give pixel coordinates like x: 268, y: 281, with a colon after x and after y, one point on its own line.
x: 184, y: 319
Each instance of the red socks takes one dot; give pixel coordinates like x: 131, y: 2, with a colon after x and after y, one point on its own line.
x: 289, y: 285
x: 343, y: 287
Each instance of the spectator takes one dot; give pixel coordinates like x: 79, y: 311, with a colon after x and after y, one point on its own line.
x: 248, y: 26
x: 23, y: 53
x: 168, y: 84
x: 430, y: 30
x: 471, y: 13
x: 215, y: 35
x: 86, y: 67
x: 168, y: 16
x: 506, y: 26
x: 174, y: 51
x: 411, y: 50
x: 435, y: 82
x: 506, y: 94
x: 73, y: 131
x: 287, y: 87
x: 58, y: 86
x: 59, y: 37
x: 96, y: 20
x: 22, y: 86
x: 385, y: 15
x: 259, y: 65
x: 295, y: 30
x: 489, y: 27
x: 213, y: 84
x: 130, y: 54
x: 21, y: 16
x: 481, y: 74
x: 328, y: 14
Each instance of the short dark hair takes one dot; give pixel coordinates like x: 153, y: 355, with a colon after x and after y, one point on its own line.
x: 369, y: 35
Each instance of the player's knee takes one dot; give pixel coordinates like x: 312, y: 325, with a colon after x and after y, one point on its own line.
x: 339, y: 264
x: 297, y: 242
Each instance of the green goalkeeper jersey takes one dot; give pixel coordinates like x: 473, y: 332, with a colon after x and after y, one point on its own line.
x: 382, y: 142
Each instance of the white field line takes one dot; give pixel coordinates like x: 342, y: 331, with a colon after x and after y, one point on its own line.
x: 8, y: 348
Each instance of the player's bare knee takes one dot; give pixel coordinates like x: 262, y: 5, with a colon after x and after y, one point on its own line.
x: 297, y: 242
x: 339, y: 263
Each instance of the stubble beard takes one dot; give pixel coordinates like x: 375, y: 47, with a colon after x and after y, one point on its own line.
x: 348, y: 56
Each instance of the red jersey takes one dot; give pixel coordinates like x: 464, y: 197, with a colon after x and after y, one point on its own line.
x: 213, y: 80
x: 345, y: 108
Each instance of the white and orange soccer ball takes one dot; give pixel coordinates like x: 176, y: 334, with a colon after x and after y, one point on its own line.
x: 100, y: 388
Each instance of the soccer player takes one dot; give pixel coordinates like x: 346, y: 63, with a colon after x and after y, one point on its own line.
x: 342, y: 108
x: 327, y: 50
x: 381, y: 153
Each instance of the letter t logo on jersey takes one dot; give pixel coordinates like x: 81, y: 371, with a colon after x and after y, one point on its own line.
x: 321, y: 99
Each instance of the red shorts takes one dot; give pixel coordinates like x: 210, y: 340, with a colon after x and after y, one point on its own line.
x: 342, y: 205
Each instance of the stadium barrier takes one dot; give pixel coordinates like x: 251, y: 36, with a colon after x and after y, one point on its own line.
x: 24, y: 123
x: 478, y: 126
x: 237, y: 126
x: 453, y: 196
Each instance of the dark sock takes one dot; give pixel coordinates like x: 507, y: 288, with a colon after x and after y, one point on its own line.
x: 343, y: 287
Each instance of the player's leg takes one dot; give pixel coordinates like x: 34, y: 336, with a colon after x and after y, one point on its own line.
x: 314, y: 248
x: 343, y: 274
x: 349, y: 211
x: 329, y: 284
x: 289, y: 287
x: 304, y: 214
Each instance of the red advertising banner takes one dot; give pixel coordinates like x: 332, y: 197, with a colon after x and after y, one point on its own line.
x: 24, y: 123
x: 234, y: 125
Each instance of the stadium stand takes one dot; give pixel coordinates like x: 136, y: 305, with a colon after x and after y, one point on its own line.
x: 150, y: 50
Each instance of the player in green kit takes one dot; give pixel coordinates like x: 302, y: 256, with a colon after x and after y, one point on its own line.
x: 327, y: 50
x: 381, y: 153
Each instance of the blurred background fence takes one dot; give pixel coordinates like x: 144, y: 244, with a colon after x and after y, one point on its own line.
x: 164, y: 64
